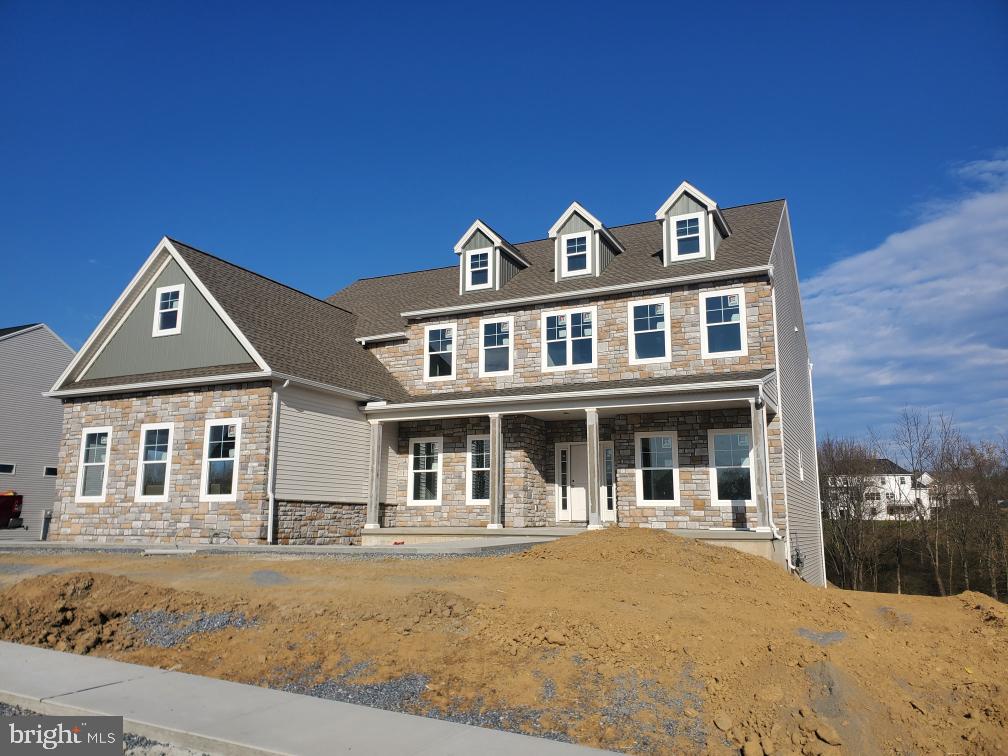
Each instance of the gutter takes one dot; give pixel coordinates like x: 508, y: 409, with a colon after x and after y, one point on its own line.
x: 365, y: 340
x: 581, y: 293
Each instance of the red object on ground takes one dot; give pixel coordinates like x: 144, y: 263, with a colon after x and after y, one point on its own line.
x: 10, y: 508
x: 398, y: 543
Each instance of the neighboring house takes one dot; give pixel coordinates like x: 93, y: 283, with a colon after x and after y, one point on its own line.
x: 895, y: 493
x: 654, y: 374
x: 31, y: 358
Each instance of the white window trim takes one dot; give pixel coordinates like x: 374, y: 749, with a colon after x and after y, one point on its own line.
x: 603, y: 511
x: 743, y: 318
x: 640, y: 500
x: 469, y: 469
x: 542, y: 339
x: 712, y: 469
x: 13, y: 468
x: 54, y: 467
x: 673, y: 239
x: 426, y: 352
x: 632, y: 335
x: 157, y: 331
x: 511, y: 339
x: 80, y: 498
x: 470, y: 286
x: 589, y: 262
x: 233, y: 496
x: 137, y: 495
x: 440, y: 472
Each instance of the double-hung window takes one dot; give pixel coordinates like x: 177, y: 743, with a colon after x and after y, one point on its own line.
x: 154, y: 466
x: 478, y: 478
x: 439, y: 363
x: 730, y: 466
x: 722, y: 327
x: 479, y: 268
x: 568, y: 339
x: 575, y: 257
x: 221, y: 446
x: 496, y: 346
x: 657, y: 458
x: 92, y: 477
x: 168, y: 310
x: 687, y: 236
x: 650, y: 336
x: 425, y: 471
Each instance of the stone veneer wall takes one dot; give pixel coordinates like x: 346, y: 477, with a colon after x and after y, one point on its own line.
x: 183, y: 518
x: 530, y: 474
x: 319, y: 523
x: 405, y: 358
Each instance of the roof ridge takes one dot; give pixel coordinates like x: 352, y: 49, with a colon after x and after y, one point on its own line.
x: 258, y: 275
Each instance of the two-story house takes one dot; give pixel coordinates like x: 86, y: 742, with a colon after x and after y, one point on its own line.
x: 648, y: 375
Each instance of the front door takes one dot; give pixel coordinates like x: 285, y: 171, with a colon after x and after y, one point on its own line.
x: 572, y: 482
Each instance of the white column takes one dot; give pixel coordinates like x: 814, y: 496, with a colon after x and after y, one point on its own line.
x: 496, y: 472
x: 594, y: 480
x: 376, y: 465
x: 758, y: 467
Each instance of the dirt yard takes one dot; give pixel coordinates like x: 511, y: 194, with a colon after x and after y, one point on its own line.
x: 626, y: 639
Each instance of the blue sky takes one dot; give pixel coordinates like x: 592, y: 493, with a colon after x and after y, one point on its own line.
x: 320, y: 143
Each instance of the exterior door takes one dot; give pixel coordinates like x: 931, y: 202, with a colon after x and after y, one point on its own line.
x: 572, y: 482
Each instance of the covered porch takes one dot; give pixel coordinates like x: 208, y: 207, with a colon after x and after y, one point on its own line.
x: 558, y: 463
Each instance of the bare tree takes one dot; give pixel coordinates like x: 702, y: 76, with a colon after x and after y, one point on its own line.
x: 851, y: 531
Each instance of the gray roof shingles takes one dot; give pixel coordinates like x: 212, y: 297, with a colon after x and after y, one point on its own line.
x: 379, y: 302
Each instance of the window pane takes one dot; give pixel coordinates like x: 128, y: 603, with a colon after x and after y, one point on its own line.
x: 425, y: 486
x: 688, y: 246
x: 581, y: 324
x: 650, y: 344
x: 496, y: 334
x: 153, y: 479
x: 95, y: 447
x: 480, y: 453
x: 495, y: 360
x: 733, y: 484
x: 481, y: 484
x: 581, y: 351
x: 724, y: 338
x: 556, y: 327
x: 577, y: 262
x: 577, y: 245
x: 657, y: 451
x: 556, y: 353
x: 479, y: 277
x: 440, y: 364
x: 93, y: 476
x: 219, y: 474
x: 659, y: 485
x: 169, y: 320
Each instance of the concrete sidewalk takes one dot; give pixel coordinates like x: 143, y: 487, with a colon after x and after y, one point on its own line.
x: 222, y: 717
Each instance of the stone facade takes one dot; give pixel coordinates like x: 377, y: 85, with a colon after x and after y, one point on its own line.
x: 183, y: 518
x: 405, y: 358
x: 319, y: 523
x: 529, y: 471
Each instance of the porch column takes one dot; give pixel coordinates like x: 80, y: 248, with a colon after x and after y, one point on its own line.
x: 496, y: 471
x: 594, y: 516
x: 375, y: 468
x: 758, y: 470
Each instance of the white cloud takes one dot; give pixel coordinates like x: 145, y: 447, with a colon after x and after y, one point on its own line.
x: 920, y: 320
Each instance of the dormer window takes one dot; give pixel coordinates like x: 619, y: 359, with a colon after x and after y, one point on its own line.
x: 168, y: 310
x: 479, y: 268
x: 689, y: 236
x: 575, y: 258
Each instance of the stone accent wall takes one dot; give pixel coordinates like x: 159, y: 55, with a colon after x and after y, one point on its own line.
x: 319, y: 523
x: 776, y: 458
x: 405, y: 358
x: 183, y: 518
x: 529, y: 477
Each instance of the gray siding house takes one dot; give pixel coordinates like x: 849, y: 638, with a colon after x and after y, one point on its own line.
x: 654, y: 375
x: 31, y: 358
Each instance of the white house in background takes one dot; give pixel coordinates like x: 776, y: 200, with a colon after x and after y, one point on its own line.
x: 897, y: 493
x: 32, y: 357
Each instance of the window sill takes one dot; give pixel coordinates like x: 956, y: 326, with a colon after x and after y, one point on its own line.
x: 439, y: 379
x: 658, y: 504
x: 89, y: 499
x: 423, y: 503
x: 650, y: 361
x: 173, y: 332
x: 718, y: 355
x: 567, y: 368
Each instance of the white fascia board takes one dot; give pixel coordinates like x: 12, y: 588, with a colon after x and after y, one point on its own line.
x: 582, y: 293
x: 743, y: 390
x: 75, y: 362
x: 171, y: 383
x: 575, y: 207
x: 395, y: 336
x: 685, y: 188
x: 256, y: 357
x: 478, y: 225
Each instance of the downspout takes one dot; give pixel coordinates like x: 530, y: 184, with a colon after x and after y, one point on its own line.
x: 270, y: 473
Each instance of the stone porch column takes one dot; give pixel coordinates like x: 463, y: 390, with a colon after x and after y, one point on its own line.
x: 496, y: 472
x: 594, y: 480
x: 375, y: 468
x: 758, y: 471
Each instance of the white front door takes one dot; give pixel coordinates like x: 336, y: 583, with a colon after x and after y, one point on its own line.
x: 572, y: 482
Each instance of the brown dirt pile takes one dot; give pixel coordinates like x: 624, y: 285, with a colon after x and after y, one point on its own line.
x: 626, y: 639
